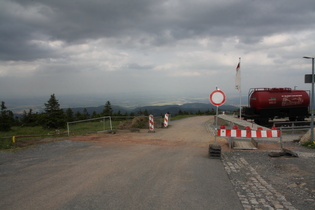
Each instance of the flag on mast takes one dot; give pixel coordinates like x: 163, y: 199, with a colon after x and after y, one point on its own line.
x: 238, y: 76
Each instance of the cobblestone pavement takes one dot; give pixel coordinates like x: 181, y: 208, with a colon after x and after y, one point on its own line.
x: 262, y: 182
x: 253, y: 191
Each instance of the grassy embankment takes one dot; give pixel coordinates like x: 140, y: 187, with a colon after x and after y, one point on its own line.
x: 25, y: 136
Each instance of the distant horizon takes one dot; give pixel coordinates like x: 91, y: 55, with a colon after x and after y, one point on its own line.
x: 37, y: 103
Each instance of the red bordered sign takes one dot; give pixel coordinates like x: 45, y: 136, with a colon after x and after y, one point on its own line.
x: 217, y: 97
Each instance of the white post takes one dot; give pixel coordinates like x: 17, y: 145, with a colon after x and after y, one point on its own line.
x: 110, y: 123
x: 68, y: 128
x: 240, y: 90
x: 216, y: 125
x: 166, y: 120
x: 312, y: 99
x: 238, y: 85
x: 151, y: 123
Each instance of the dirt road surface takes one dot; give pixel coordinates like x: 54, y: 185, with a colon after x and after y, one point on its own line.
x: 192, y: 131
x: 168, y: 169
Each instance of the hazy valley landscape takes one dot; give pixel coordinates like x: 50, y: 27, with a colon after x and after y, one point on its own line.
x: 122, y: 102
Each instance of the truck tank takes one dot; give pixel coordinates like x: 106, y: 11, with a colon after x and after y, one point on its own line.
x: 270, y: 103
x: 271, y: 98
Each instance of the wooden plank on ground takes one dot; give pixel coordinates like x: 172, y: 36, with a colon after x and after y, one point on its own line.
x: 243, y: 145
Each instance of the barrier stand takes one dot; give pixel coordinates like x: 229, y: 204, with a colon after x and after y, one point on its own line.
x: 151, y: 124
x: 249, y: 134
x: 13, y: 139
x: 165, y: 120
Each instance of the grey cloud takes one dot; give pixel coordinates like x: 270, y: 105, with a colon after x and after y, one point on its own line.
x: 135, y: 66
x: 155, y: 23
x: 51, y: 46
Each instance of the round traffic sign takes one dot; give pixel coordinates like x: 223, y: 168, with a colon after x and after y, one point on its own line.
x: 217, y: 97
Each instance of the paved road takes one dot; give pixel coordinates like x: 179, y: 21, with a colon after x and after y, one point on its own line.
x: 89, y: 175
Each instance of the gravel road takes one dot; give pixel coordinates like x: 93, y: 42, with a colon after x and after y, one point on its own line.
x: 143, y: 170
x: 168, y: 169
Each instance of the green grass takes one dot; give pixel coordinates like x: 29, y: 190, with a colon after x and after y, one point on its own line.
x: 18, y: 131
x: 27, y: 135
x: 26, y: 132
x: 91, y: 127
x: 6, y: 143
x: 179, y: 117
x: 309, y: 144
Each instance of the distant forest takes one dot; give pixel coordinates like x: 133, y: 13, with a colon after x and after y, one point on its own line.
x: 54, y: 117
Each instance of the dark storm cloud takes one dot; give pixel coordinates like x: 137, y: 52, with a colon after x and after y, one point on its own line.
x: 21, y: 22
x: 16, y: 34
x: 145, y: 22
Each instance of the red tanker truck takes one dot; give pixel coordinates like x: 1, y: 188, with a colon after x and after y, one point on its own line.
x: 268, y: 103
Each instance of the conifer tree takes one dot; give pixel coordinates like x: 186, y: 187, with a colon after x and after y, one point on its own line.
x: 108, y: 111
x: 86, y: 114
x: 54, y: 115
x: 69, y: 115
x: 5, y: 120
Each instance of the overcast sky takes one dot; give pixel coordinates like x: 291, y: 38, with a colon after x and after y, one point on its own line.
x: 171, y: 47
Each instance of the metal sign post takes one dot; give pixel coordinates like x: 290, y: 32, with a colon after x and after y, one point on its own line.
x: 217, y: 98
x: 216, y: 125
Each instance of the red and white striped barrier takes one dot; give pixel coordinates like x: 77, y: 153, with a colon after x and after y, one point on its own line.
x: 151, y: 122
x: 249, y: 133
x: 166, y: 120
